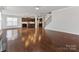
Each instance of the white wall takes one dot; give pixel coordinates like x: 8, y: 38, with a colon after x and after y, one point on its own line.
x: 65, y: 20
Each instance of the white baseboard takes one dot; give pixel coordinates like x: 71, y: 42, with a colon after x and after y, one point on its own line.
x: 11, y: 27
x: 63, y: 31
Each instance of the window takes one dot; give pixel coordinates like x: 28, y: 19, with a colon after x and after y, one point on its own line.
x: 11, y: 21
x: 0, y: 20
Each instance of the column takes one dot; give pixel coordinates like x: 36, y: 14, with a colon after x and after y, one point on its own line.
x: 36, y: 22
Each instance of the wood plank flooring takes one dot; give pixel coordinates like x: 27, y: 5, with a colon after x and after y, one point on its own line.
x: 39, y: 40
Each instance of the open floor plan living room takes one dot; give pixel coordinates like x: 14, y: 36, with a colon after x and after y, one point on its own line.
x: 39, y: 28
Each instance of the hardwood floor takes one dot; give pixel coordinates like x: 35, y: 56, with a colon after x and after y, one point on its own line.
x: 39, y: 40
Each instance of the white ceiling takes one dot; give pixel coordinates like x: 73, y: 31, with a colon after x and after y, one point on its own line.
x: 29, y: 10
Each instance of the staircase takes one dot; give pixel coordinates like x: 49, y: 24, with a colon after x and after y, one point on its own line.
x: 46, y: 20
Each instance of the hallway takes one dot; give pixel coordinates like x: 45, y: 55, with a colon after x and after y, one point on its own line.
x: 38, y: 40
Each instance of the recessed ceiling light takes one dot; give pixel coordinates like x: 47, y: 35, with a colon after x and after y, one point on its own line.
x: 37, y: 8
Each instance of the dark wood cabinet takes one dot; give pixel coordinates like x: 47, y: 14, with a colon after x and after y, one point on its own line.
x: 24, y: 25
x: 28, y: 19
x: 30, y: 22
x: 31, y: 26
